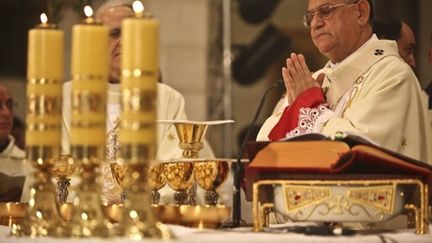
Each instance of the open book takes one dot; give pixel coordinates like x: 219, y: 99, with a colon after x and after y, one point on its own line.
x: 319, y: 156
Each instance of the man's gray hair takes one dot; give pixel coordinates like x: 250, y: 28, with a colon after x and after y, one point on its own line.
x: 113, y: 3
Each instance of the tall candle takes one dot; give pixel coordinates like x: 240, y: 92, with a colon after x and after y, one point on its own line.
x: 45, y: 66
x: 140, y: 45
x: 90, y: 62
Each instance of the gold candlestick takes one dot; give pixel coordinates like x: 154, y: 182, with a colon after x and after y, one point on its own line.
x: 88, y: 124
x: 138, y: 122
x: 43, y: 133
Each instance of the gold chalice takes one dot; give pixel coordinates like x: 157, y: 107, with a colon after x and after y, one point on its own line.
x: 210, y: 175
x: 191, y: 136
x: 64, y: 168
x: 156, y: 181
x: 179, y: 176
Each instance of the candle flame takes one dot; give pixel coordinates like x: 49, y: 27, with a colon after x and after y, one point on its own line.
x: 138, y: 7
x: 43, y: 18
x: 88, y: 11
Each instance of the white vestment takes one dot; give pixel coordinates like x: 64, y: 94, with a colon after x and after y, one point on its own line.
x: 372, y: 93
x: 12, y: 165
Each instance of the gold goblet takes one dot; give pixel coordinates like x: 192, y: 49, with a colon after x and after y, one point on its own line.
x: 191, y: 136
x: 156, y: 181
x: 64, y: 169
x: 210, y: 175
x: 179, y: 176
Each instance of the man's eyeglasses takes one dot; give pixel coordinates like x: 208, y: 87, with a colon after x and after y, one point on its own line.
x: 322, y: 11
x: 9, y: 104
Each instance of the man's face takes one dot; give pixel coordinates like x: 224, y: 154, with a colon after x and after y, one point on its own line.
x: 406, y: 45
x: 335, y: 34
x: 112, y: 18
x: 6, y: 113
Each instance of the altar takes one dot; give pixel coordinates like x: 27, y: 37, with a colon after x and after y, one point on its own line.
x: 275, y: 234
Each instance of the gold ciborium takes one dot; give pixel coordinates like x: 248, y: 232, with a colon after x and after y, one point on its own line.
x: 156, y: 181
x: 179, y: 176
x: 64, y: 168
x: 210, y: 175
x: 155, y: 176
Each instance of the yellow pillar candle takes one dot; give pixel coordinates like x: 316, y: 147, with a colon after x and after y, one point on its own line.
x: 90, y: 62
x: 45, y: 66
x: 140, y: 58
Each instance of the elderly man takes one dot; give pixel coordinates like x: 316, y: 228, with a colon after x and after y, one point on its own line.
x: 365, y: 88
x: 170, y: 104
x: 12, y: 168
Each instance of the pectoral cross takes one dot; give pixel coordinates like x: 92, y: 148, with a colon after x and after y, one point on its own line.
x: 404, y: 143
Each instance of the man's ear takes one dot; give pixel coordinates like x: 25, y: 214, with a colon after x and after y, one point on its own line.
x: 363, y: 12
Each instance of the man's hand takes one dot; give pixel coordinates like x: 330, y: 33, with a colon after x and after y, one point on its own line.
x: 298, y: 78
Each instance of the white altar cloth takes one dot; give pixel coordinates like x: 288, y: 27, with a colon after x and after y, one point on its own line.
x: 240, y: 235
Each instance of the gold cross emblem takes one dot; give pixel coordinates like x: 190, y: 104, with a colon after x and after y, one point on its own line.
x: 404, y: 143
x: 171, y: 136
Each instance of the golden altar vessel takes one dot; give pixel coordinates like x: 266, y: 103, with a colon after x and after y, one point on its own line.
x: 181, y: 175
x: 210, y: 176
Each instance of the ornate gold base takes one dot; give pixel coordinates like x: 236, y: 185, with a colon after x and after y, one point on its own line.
x: 139, y: 221
x: 42, y: 217
x: 261, y: 206
x: 88, y: 218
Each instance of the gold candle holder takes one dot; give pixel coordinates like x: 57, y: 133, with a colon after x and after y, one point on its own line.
x: 43, y: 132
x: 89, y: 69
x: 138, y: 122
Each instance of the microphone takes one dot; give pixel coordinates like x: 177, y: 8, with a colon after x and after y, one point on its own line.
x: 237, y: 167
